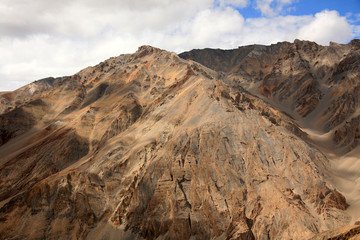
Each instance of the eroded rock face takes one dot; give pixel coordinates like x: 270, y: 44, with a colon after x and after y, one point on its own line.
x: 152, y: 146
x: 41, y: 160
x: 351, y: 233
x: 314, y: 84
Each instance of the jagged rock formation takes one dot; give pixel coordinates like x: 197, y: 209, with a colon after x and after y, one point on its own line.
x: 153, y: 146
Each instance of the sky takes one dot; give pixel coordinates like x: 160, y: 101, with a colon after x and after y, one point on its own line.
x: 42, y: 38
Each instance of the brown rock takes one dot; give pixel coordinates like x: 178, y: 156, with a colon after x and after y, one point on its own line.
x: 351, y: 233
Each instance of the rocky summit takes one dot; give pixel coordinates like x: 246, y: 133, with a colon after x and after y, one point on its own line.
x: 259, y: 142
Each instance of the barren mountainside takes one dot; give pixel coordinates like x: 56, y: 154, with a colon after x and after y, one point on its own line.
x: 316, y: 85
x: 259, y: 142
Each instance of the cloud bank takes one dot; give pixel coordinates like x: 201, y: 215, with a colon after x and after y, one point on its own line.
x: 55, y: 38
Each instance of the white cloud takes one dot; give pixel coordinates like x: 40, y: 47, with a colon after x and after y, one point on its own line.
x: 54, y: 38
x: 326, y: 26
x: 273, y: 30
x: 273, y: 8
x: 87, y: 18
x: 235, y: 3
x: 211, y: 28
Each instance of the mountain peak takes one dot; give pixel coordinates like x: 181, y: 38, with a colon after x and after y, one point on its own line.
x: 147, y: 50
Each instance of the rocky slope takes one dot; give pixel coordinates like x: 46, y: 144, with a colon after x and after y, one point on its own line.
x: 152, y: 146
x: 345, y: 233
x: 11, y: 100
x: 316, y: 85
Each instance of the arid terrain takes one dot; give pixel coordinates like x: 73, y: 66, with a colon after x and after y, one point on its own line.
x: 258, y: 142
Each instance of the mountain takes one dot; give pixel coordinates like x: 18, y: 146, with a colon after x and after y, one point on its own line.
x: 210, y: 144
x: 316, y: 85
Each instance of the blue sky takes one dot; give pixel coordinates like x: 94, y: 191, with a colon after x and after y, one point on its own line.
x: 306, y: 7
x: 55, y: 38
x: 343, y: 7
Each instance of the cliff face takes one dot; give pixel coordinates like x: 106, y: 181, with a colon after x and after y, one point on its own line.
x: 153, y: 146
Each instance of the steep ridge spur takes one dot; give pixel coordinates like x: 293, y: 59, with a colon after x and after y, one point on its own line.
x: 152, y: 146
